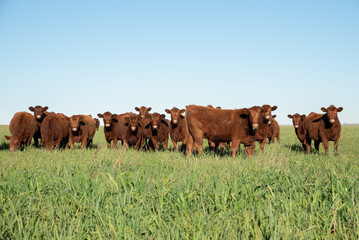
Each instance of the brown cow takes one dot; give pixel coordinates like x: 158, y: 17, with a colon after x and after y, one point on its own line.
x: 55, y: 131
x: 298, y: 123
x: 238, y: 126
x: 159, y: 131
x: 323, y: 128
x: 178, y: 127
x: 23, y: 127
x: 110, y: 128
x: 129, y: 130
x: 274, y: 130
x: 143, y: 111
x: 82, y: 129
x: 39, y: 113
x: 263, y: 129
x: 216, y: 145
x: 97, y: 123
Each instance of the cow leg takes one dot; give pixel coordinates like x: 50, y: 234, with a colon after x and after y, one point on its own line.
x: 262, y: 144
x: 325, y: 144
x: 72, y: 145
x: 125, y: 144
x: 83, y: 142
x: 249, y: 150
x: 235, y: 146
x: 36, y: 140
x: 108, y: 143
x: 190, y: 143
x: 175, y: 146
x: 278, y: 139
x: 336, y: 143
x: 165, y: 144
x: 308, y: 143
x: 114, y: 143
x: 316, y: 145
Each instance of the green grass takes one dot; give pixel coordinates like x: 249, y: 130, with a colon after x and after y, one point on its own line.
x: 103, y: 193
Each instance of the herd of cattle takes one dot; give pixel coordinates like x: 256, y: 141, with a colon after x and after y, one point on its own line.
x: 224, y: 128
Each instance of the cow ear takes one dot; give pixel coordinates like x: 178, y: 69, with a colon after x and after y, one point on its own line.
x: 324, y: 109
x: 181, y: 116
x: 340, y: 109
x: 302, y: 117
x: 114, y: 116
x: 149, y: 109
x: 290, y: 116
x: 137, y: 109
x: 31, y: 109
x: 7, y: 137
x: 168, y: 111
x: 163, y: 116
x: 274, y: 116
x: 218, y: 108
x: 245, y: 113
x: 164, y: 122
x: 45, y: 108
x: 182, y: 111
x: 126, y: 120
x: 274, y: 108
x: 100, y: 115
x: 82, y: 121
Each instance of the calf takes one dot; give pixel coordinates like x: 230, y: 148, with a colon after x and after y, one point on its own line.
x: 39, y: 113
x: 82, y: 129
x: 177, y: 127
x: 110, y: 128
x: 159, y: 131
x: 55, y: 131
x: 237, y: 126
x: 23, y: 128
x: 263, y: 128
x: 145, y: 121
x: 274, y: 129
x: 129, y: 131
x: 299, y: 127
x: 323, y: 128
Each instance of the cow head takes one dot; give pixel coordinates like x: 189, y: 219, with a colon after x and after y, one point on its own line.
x: 267, y: 111
x: 332, y: 113
x: 270, y: 121
x: 156, y: 120
x: 297, y: 119
x: 107, y: 118
x: 75, y: 122
x: 14, y: 142
x: 254, y: 116
x: 143, y: 110
x: 176, y: 114
x: 210, y: 106
x: 39, y: 112
x: 133, y: 122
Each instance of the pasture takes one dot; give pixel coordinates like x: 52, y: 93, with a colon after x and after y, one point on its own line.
x: 102, y: 193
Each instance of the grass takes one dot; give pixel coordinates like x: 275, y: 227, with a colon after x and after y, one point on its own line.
x: 102, y: 193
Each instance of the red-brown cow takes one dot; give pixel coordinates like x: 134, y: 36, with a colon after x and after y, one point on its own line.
x: 238, y: 126
x: 23, y: 127
x: 129, y: 130
x: 178, y: 127
x: 216, y: 145
x: 97, y: 123
x: 82, y: 129
x: 323, y: 128
x: 262, y: 133
x: 274, y: 130
x: 159, y: 131
x: 299, y: 127
x: 55, y: 131
x: 39, y: 113
x: 143, y: 111
x: 110, y: 128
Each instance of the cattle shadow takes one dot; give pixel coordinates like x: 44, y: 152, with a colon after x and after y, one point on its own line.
x: 298, y: 148
x: 4, y: 146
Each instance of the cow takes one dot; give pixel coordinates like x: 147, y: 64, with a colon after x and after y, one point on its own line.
x: 110, y: 128
x: 263, y: 129
x: 237, y: 126
x: 274, y: 130
x: 97, y: 123
x: 323, y: 128
x: 142, y: 111
x: 129, y: 130
x: 216, y: 145
x: 23, y: 128
x: 55, y: 131
x: 177, y: 128
x: 82, y: 129
x: 39, y: 113
x: 159, y: 131
x: 298, y: 123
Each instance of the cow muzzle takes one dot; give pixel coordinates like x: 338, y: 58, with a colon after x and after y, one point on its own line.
x: 133, y: 129
x: 332, y: 121
x: 296, y: 126
x: 38, y: 116
x: 255, y: 126
x: 74, y: 129
x: 267, y: 117
x: 154, y: 126
x: 107, y: 125
x: 175, y: 121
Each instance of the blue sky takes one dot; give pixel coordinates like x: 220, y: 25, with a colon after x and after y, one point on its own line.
x: 86, y: 57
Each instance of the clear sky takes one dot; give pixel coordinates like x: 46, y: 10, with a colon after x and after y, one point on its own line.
x: 86, y: 57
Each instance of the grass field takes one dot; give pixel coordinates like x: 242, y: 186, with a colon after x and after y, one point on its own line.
x: 103, y: 193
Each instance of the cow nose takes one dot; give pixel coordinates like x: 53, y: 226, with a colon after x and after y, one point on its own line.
x: 155, y: 126
x: 142, y: 116
x: 133, y: 129
x: 74, y: 129
x: 107, y: 125
x: 332, y: 120
x: 175, y: 121
x: 267, y: 116
x: 255, y: 126
x: 296, y: 126
x: 38, y: 116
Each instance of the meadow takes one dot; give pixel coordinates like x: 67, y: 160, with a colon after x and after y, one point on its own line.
x: 102, y: 193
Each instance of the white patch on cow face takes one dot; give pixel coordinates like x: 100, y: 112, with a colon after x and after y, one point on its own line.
x: 155, y: 126
x: 107, y: 125
x: 332, y: 121
x: 175, y: 121
x: 74, y: 129
x: 38, y: 116
x: 296, y: 126
x: 133, y: 129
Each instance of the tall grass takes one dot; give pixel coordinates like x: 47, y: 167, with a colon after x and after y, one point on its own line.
x: 106, y: 193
